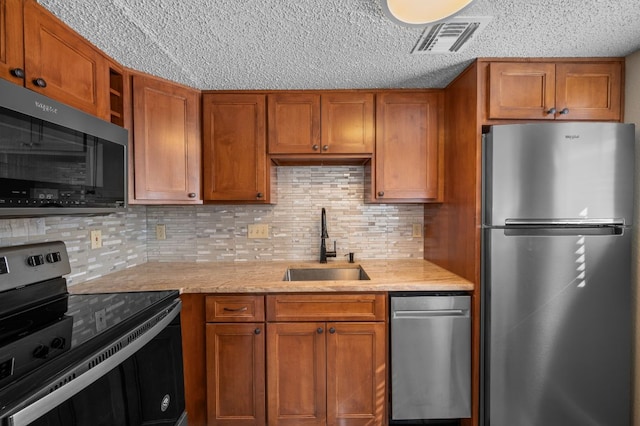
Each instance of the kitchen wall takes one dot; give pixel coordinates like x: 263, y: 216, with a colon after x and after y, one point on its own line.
x: 217, y: 233
x: 632, y: 115
x: 212, y: 233
x: 123, y: 235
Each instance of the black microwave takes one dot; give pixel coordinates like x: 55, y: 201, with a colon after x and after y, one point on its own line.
x: 55, y: 159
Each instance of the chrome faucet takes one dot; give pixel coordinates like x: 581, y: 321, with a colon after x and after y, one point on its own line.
x: 324, y: 235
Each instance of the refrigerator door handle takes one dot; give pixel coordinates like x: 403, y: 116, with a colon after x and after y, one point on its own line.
x: 567, y: 223
x: 557, y: 231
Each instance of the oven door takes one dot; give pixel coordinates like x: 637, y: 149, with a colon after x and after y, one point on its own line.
x: 141, y: 384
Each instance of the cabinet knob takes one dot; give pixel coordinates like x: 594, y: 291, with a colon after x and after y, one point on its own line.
x: 17, y: 72
x: 319, y: 330
x: 325, y: 148
x: 192, y: 195
x: 259, y: 195
x: 332, y: 330
x: 564, y: 111
x: 257, y: 331
x: 40, y: 82
x: 380, y: 193
x: 315, y: 147
x: 551, y: 111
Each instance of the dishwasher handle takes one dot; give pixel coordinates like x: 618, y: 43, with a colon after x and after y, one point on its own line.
x: 420, y: 314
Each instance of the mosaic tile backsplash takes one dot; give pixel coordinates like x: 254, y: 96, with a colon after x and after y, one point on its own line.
x: 213, y: 233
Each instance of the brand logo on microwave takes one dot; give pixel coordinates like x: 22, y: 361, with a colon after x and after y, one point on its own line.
x: 46, y: 108
x: 572, y: 136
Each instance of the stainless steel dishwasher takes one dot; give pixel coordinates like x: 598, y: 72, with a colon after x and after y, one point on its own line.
x: 430, y: 356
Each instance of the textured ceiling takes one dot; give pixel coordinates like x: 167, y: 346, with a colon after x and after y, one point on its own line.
x: 326, y: 44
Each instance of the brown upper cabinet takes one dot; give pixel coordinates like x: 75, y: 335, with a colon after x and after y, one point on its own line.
x: 61, y: 64
x: 327, y: 123
x: 555, y: 90
x: 11, y: 40
x: 39, y: 51
x: 234, y: 148
x: 166, y: 142
x: 408, y: 165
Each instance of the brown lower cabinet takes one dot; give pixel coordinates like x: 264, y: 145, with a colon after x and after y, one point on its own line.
x: 325, y: 373
x: 236, y: 374
x: 310, y: 363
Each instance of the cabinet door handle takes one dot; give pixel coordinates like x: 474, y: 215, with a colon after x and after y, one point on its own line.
x: 315, y: 147
x: 259, y: 195
x: 192, y: 195
x: 40, y: 82
x: 564, y: 111
x: 242, y: 309
x: 257, y: 331
x: 325, y: 148
x: 332, y: 330
x: 319, y: 330
x: 17, y: 72
x: 380, y: 193
x: 551, y: 111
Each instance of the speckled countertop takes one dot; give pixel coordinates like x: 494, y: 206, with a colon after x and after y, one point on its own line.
x: 267, y: 277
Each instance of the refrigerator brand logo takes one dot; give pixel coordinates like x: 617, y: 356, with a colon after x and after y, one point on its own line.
x: 46, y: 108
x: 572, y: 136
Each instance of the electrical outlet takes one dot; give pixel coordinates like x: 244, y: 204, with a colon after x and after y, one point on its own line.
x: 96, y: 239
x: 417, y: 230
x: 101, y: 320
x: 258, y: 231
x: 161, y: 232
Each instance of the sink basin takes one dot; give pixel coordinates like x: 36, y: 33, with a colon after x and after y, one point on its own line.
x: 325, y: 274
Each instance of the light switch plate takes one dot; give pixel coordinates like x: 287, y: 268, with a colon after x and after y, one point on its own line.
x: 96, y: 239
x: 258, y: 231
x: 417, y: 230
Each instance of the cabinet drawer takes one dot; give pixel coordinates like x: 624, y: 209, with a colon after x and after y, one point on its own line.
x: 234, y: 308
x: 344, y: 307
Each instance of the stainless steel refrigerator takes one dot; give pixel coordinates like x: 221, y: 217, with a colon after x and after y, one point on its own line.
x: 556, y: 274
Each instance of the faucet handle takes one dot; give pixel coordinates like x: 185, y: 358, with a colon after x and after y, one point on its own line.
x: 333, y: 253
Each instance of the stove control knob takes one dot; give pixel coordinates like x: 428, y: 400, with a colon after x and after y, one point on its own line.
x: 41, y: 351
x: 58, y: 343
x: 35, y: 260
x: 54, y: 257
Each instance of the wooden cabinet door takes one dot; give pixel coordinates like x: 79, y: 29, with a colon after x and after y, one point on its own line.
x: 522, y: 90
x: 234, y: 148
x: 408, y: 165
x: 347, y: 123
x: 356, y: 374
x: 166, y: 142
x: 73, y: 70
x: 589, y: 91
x: 294, y: 123
x: 11, y: 46
x: 235, y: 374
x: 296, y: 374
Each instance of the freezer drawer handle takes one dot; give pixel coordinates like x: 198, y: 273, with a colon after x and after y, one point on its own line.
x: 434, y: 313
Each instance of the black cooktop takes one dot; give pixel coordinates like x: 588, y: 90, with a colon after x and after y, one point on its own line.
x: 30, y: 355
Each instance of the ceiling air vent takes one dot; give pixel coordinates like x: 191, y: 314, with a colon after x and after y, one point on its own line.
x: 450, y: 36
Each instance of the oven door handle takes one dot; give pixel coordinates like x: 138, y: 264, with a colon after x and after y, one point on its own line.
x: 45, y: 404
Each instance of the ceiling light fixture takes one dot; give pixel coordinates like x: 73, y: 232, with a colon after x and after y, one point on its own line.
x: 422, y: 12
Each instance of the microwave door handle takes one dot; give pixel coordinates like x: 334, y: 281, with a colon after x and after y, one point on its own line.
x: 45, y: 404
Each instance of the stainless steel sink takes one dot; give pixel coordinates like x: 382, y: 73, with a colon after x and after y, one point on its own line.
x: 325, y: 274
